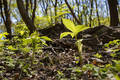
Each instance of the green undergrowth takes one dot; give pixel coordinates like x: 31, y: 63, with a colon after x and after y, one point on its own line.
x: 19, y: 56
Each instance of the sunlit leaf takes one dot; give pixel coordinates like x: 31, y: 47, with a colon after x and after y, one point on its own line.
x: 46, y: 38
x: 69, y: 24
x: 117, y: 77
x: 66, y: 34
x: 80, y: 28
x: 98, y: 55
x: 21, y: 32
x: 11, y: 48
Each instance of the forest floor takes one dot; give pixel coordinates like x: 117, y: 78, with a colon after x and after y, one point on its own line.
x: 60, y: 59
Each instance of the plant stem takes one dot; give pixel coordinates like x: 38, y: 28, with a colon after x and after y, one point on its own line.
x: 79, y: 46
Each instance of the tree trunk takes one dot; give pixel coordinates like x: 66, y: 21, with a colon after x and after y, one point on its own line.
x: 97, y: 12
x: 33, y: 13
x: 114, y: 20
x: 73, y: 14
x: 55, y: 11
x: 27, y: 5
x: 91, y: 10
x: 7, y: 21
x: 25, y: 16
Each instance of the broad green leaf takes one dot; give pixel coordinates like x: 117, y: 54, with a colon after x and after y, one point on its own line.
x: 80, y: 28
x: 46, y: 38
x: 65, y: 34
x: 69, y: 24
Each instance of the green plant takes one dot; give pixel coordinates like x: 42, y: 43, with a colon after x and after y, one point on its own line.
x: 43, y: 22
x: 113, y: 48
x: 21, y: 30
x: 31, y: 44
x: 20, y: 51
x: 115, y: 69
x: 74, y: 31
x: 2, y: 40
x: 35, y: 41
x: 98, y: 55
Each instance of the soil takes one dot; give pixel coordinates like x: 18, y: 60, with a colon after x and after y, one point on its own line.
x: 60, y: 54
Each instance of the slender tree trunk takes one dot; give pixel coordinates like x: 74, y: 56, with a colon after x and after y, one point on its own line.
x: 56, y: 11
x: 27, y: 6
x: 31, y: 4
x: 107, y: 9
x: 91, y: 10
x: 97, y: 12
x: 85, y: 11
x: 25, y: 16
x: 8, y: 20
x: 33, y: 14
x: 1, y: 11
x: 46, y: 8
x: 114, y: 20
x: 73, y: 14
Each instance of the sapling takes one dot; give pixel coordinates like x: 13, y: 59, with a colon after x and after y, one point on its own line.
x: 74, y: 32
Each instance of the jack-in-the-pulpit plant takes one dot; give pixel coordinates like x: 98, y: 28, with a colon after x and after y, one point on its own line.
x: 74, y: 32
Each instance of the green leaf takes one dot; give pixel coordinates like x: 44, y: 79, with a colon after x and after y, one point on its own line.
x: 26, y: 50
x: 27, y: 41
x: 65, y: 34
x: 11, y: 48
x: 69, y: 24
x: 117, y: 77
x: 46, y: 38
x: 80, y: 28
x: 34, y: 35
x: 4, y: 34
x: 98, y: 55
x: 22, y: 32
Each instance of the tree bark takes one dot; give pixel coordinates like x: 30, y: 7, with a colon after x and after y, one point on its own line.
x: 91, y: 10
x: 7, y: 21
x: 27, y: 5
x: 33, y: 13
x: 25, y: 16
x: 114, y: 20
x: 97, y: 13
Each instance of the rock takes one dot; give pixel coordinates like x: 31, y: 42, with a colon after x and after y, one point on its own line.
x: 53, y: 31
